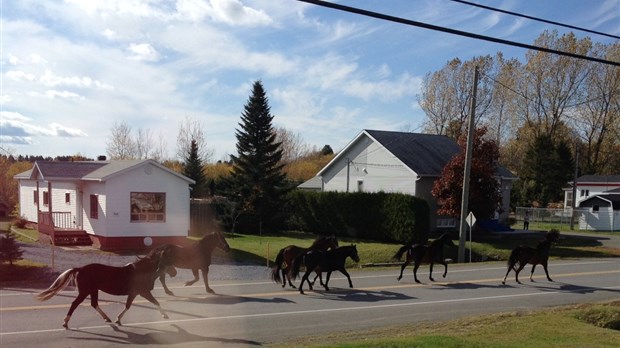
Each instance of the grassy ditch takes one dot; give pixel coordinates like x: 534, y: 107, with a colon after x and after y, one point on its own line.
x: 584, y: 325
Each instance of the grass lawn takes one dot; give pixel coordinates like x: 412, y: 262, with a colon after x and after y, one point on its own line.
x: 585, y: 325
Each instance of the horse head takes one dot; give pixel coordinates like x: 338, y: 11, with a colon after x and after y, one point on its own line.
x: 445, y: 239
x: 354, y: 254
x: 553, y: 236
x: 215, y: 239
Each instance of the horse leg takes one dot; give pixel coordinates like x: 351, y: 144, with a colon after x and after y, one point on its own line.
x: 329, y: 274
x: 147, y: 295
x: 303, y: 279
x: 344, y: 271
x: 128, y: 303
x: 430, y: 275
x: 532, y: 273
x: 94, y: 302
x: 288, y: 276
x: 196, y: 278
x: 205, y: 278
x: 415, y: 272
x: 402, y: 268
x: 162, y: 279
x: 544, y: 264
x: 506, y: 276
x: 76, y: 302
x: 318, y: 275
x: 521, y: 266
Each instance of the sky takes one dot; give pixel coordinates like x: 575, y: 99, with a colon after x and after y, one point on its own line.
x: 71, y: 69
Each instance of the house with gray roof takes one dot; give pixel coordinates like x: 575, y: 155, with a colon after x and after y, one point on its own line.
x: 398, y: 162
x: 112, y: 204
x: 597, y: 200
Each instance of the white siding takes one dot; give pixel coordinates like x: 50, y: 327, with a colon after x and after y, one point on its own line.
x: 148, y: 178
x: 27, y: 206
x: 91, y: 225
x: 604, y: 220
x: 372, y: 166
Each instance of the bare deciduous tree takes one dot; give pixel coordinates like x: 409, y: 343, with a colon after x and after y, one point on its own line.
x: 292, y: 145
x: 192, y: 129
x: 120, y: 144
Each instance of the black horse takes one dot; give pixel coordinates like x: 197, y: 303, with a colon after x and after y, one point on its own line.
x: 195, y: 257
x: 420, y: 253
x: 284, y: 260
x: 522, y: 255
x: 134, y: 279
x: 324, y: 261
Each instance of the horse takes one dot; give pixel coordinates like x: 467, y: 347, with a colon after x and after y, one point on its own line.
x: 195, y: 257
x: 420, y: 253
x: 324, y: 261
x: 522, y: 255
x: 134, y: 279
x: 286, y: 255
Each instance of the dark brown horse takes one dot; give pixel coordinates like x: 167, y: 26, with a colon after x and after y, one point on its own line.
x: 420, y: 253
x: 522, y: 255
x: 286, y: 255
x: 324, y: 261
x: 134, y: 279
x: 195, y: 257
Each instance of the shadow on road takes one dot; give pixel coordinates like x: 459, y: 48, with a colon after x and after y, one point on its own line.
x: 355, y: 295
x: 155, y: 337
x: 229, y: 299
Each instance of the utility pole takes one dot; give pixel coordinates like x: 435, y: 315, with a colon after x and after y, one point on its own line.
x: 574, y: 205
x: 468, y: 155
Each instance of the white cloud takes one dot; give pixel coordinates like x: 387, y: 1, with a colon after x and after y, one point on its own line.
x: 144, y: 52
x: 232, y: 12
x: 20, y: 75
x: 109, y: 34
x: 17, y: 128
x: 62, y: 94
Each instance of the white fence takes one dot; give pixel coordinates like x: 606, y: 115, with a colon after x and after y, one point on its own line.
x: 583, y: 219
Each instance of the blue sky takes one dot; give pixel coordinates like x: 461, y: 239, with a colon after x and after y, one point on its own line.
x: 72, y: 68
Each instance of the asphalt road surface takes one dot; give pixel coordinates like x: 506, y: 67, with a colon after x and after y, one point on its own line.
x: 254, y: 313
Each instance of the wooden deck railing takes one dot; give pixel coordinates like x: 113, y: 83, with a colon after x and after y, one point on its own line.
x: 48, y: 222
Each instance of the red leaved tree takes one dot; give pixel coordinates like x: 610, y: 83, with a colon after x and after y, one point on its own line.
x: 484, y: 187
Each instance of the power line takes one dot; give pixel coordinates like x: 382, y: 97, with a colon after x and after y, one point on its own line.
x: 536, y: 19
x: 452, y: 31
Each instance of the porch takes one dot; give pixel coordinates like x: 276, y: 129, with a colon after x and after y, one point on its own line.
x: 60, y: 228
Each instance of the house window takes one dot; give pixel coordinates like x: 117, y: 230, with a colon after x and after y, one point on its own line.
x: 94, y: 206
x: 595, y: 208
x: 148, y: 207
x: 46, y: 198
x: 67, y: 198
x: 36, y: 196
x: 360, y: 186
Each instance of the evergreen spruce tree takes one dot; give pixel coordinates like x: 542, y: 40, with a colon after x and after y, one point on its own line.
x: 257, y: 184
x: 9, y: 249
x: 193, y: 169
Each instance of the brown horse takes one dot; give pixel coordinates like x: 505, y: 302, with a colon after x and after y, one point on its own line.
x: 134, y: 279
x: 324, y: 261
x: 420, y: 253
x: 285, y: 257
x: 195, y: 257
x: 522, y: 255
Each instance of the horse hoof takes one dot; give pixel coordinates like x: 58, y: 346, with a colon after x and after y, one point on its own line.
x: 118, y: 322
x: 503, y: 283
x: 432, y: 280
x: 399, y: 278
x: 301, y: 292
x: 170, y: 293
x: 210, y: 291
x: 66, y: 326
x: 165, y: 316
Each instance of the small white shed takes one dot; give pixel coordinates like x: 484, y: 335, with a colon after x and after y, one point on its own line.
x: 118, y: 204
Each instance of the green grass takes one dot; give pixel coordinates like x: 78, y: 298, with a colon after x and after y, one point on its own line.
x: 567, y: 326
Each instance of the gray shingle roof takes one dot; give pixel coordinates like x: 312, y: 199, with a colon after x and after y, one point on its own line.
x: 425, y: 154
x: 66, y: 170
x: 598, y: 179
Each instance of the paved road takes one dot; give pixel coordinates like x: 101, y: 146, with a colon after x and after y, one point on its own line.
x: 250, y: 313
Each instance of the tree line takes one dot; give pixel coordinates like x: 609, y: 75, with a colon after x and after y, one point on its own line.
x: 540, y: 112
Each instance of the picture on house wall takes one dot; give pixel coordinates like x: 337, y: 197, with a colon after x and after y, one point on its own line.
x: 148, y: 207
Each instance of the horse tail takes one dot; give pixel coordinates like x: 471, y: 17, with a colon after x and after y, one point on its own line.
x: 297, y: 265
x: 514, y: 257
x: 401, y: 251
x: 58, y: 285
x: 275, y: 270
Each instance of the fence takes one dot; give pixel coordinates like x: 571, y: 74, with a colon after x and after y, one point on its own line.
x: 202, y: 217
x: 583, y: 219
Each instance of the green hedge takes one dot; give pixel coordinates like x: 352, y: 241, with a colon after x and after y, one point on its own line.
x: 389, y: 217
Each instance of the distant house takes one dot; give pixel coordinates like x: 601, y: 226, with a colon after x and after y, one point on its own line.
x: 598, y: 202
x: 588, y: 186
x: 399, y: 162
x: 116, y: 204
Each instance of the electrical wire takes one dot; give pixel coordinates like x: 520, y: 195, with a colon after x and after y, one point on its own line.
x: 452, y: 31
x: 536, y: 18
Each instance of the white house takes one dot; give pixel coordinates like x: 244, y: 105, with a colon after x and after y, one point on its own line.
x: 588, y: 186
x: 117, y: 204
x: 598, y: 201
x: 399, y: 162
